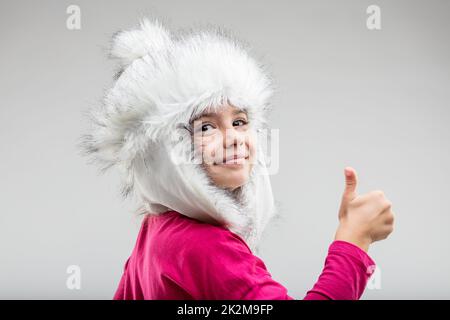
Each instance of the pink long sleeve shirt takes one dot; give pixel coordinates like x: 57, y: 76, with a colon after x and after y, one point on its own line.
x: 176, y: 257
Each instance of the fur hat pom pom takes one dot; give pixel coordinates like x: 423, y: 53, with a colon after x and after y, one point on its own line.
x: 150, y: 38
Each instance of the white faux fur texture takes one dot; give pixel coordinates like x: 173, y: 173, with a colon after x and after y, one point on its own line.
x: 165, y: 81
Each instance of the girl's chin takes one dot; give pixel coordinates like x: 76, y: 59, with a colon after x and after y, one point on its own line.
x: 233, y: 186
x: 230, y: 179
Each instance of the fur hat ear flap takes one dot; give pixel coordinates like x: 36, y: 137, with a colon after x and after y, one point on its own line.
x: 151, y: 38
x: 114, y: 140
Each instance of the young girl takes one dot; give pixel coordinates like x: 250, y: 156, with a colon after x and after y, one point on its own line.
x: 184, y: 122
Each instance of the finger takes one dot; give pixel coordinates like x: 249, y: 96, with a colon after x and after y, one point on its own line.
x: 389, y: 217
x: 351, y: 181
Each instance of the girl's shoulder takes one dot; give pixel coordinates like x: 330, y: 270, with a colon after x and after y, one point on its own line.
x: 180, y: 232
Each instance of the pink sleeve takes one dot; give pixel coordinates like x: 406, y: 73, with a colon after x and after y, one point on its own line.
x: 345, y: 274
x: 221, y: 266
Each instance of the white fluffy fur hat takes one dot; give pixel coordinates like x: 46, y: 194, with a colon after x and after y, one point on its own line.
x: 165, y: 81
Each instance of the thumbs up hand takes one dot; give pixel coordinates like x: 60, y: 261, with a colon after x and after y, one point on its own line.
x: 363, y: 219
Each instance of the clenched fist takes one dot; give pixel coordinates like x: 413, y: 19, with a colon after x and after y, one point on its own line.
x: 363, y: 219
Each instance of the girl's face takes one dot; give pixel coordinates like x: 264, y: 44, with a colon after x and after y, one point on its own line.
x: 226, y: 144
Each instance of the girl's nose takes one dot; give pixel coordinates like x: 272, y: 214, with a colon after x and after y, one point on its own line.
x: 232, y: 137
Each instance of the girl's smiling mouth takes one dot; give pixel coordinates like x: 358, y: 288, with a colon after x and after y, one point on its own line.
x: 233, y: 161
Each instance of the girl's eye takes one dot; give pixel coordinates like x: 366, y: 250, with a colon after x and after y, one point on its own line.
x: 206, y: 126
x: 243, y: 122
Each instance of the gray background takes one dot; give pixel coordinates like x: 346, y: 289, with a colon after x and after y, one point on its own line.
x: 374, y: 100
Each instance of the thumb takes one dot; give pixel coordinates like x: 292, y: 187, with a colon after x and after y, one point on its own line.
x: 351, y: 180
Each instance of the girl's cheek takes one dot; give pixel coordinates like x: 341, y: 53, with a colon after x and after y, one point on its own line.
x: 209, y: 147
x: 251, y: 145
